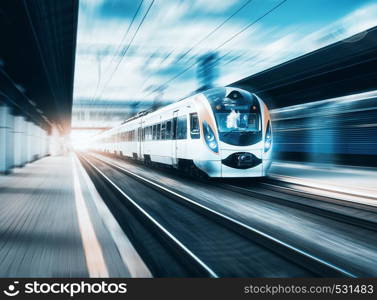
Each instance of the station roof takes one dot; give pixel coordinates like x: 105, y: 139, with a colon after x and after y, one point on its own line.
x: 346, y: 67
x: 37, y: 56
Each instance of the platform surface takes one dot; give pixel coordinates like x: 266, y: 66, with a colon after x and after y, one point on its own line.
x: 50, y: 225
x: 351, y: 181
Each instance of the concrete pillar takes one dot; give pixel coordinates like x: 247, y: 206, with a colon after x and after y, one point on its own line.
x: 34, y: 142
x: 19, y: 142
x: 29, y: 141
x: 6, y: 139
x: 24, y: 142
x: 43, y: 142
x: 37, y: 142
x: 4, y: 110
x: 46, y: 143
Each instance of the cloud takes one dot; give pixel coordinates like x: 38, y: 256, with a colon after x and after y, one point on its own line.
x: 293, y: 42
x: 173, y: 27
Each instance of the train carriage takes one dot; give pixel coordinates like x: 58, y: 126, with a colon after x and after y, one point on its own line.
x: 222, y: 132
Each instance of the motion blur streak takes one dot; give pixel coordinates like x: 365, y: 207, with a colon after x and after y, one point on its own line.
x: 340, y: 130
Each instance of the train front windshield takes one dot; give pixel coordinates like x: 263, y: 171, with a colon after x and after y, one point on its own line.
x: 237, y: 121
x: 237, y: 116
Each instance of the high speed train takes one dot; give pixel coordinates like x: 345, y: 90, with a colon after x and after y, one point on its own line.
x: 222, y: 132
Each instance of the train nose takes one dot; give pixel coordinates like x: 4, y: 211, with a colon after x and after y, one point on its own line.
x: 241, y: 160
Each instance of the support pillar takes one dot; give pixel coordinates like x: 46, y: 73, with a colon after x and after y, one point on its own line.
x: 6, y: 139
x: 29, y: 141
x: 19, y: 145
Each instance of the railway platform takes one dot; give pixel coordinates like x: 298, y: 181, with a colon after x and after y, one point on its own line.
x: 54, y: 224
x: 352, y: 182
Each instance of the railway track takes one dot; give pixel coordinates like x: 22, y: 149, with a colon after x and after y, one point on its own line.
x: 273, y: 190
x: 231, y: 247
x: 360, y: 215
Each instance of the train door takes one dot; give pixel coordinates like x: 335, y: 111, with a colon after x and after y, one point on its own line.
x: 174, y: 138
x: 141, y: 149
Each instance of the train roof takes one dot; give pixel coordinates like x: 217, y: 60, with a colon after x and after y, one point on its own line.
x: 221, y: 91
x: 148, y: 111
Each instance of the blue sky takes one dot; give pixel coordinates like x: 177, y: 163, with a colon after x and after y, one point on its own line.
x: 172, y: 27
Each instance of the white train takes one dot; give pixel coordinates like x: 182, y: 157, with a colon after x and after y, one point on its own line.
x: 222, y: 132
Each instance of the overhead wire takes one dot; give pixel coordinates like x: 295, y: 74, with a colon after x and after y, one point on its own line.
x: 124, y: 37
x: 181, y: 56
x: 125, y: 49
x: 164, y: 85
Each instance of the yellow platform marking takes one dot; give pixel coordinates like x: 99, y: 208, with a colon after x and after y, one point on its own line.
x: 93, y: 252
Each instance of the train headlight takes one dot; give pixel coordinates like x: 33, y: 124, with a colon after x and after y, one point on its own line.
x: 268, y: 138
x: 209, y: 137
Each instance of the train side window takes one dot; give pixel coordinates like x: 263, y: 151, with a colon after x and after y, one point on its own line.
x: 194, y: 126
x: 163, y: 131
x: 174, y: 131
x: 182, y: 128
x: 158, y: 131
x: 168, y: 131
x: 153, y: 132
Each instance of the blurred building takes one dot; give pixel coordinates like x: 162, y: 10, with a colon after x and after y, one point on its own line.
x: 207, y: 71
x: 339, y: 130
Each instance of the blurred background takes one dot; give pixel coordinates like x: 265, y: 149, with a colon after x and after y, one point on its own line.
x: 134, y: 55
x: 72, y: 69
